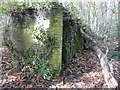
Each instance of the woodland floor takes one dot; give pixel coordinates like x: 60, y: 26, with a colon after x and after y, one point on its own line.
x: 84, y: 72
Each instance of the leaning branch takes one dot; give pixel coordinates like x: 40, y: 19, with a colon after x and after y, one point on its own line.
x: 109, y: 79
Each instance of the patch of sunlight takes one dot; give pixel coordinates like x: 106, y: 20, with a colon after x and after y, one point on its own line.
x: 42, y: 23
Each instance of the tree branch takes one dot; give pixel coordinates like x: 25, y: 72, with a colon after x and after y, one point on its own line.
x: 109, y: 79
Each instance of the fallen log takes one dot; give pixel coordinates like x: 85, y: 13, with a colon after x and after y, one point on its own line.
x: 111, y: 82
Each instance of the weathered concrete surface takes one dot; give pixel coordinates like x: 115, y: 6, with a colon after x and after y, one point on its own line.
x: 56, y: 30
x: 72, y: 40
x: 62, y: 40
x: 0, y: 51
x: 3, y: 20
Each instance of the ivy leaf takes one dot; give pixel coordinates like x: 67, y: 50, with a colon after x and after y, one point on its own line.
x: 114, y: 55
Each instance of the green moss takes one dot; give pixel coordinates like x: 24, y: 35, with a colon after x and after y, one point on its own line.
x: 27, y: 39
x: 72, y: 40
x: 6, y: 7
x: 55, y: 61
x: 79, y: 42
x: 17, y: 35
x: 56, y: 31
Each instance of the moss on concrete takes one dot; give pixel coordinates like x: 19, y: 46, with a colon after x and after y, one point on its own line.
x: 61, y: 43
x: 56, y: 31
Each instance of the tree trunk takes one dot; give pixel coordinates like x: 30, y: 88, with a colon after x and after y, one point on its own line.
x: 109, y: 79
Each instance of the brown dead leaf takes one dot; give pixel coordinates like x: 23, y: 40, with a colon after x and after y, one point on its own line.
x: 29, y: 86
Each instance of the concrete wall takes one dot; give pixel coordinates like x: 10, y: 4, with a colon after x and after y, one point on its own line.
x: 61, y: 40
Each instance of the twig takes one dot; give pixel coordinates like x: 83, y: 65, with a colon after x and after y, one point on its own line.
x: 10, y: 71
